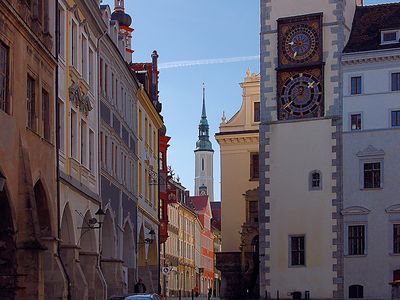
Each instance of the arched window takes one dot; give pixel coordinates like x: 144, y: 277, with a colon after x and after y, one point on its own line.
x: 315, y: 180
x: 356, y: 291
x: 202, y: 164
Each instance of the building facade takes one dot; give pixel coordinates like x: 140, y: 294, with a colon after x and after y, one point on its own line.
x: 80, y: 28
x: 204, y: 154
x: 29, y: 235
x: 118, y: 158
x: 301, y: 200
x: 149, y: 122
x: 371, y: 135
x: 201, y: 205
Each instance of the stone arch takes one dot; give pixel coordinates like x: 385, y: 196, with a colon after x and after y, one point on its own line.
x: 108, y: 236
x: 129, y: 256
x: 7, y: 247
x: 42, y: 208
x: 67, y: 227
x: 87, y: 237
x: 142, y: 248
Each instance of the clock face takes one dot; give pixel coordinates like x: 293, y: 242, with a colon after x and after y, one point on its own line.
x: 300, y: 95
x: 300, y: 40
x: 203, y: 192
x: 300, y: 43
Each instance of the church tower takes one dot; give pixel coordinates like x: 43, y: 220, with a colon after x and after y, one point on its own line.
x: 204, y: 180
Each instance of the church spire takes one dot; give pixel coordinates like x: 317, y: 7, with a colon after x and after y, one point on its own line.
x: 203, y: 143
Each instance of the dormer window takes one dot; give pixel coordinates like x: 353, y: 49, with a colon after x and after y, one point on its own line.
x: 390, y: 37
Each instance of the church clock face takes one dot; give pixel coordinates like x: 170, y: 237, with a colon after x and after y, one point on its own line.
x: 300, y: 40
x: 300, y: 43
x: 300, y: 94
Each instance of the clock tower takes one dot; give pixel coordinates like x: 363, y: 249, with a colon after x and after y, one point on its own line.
x: 204, y: 180
x: 300, y: 220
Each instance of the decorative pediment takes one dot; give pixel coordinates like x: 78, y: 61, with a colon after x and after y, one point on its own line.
x: 394, y: 209
x: 370, y: 151
x: 79, y: 99
x: 355, y: 210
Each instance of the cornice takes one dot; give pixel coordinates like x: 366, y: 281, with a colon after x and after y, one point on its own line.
x: 148, y: 106
x: 237, y: 140
x: 377, y: 56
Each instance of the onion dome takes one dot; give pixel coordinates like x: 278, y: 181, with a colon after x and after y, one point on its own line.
x: 123, y: 18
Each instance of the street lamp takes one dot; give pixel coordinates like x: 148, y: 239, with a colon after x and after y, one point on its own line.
x: 149, y: 240
x: 2, y: 181
x: 100, y: 214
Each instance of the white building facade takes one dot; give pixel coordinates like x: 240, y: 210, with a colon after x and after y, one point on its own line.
x: 371, y: 144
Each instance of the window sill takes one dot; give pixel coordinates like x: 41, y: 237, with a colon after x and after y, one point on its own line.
x: 33, y: 131
x: 371, y: 189
x: 297, y: 267
x: 394, y: 254
x: 254, y: 179
x: 355, y: 256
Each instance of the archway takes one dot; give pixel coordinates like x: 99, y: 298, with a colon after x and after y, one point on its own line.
x: 42, y: 208
x: 129, y: 257
x: 8, y: 261
x: 142, y: 248
x: 108, y: 237
x: 69, y: 253
x: 88, y: 255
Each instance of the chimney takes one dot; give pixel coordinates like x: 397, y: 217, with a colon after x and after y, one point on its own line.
x: 154, y: 79
x: 360, y: 2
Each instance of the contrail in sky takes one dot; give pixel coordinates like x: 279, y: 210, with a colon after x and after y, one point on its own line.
x: 190, y: 63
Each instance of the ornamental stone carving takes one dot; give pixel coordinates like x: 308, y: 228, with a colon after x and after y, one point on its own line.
x: 79, y: 99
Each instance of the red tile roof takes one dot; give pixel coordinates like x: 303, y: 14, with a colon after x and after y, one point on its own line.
x: 368, y: 23
x: 199, y: 203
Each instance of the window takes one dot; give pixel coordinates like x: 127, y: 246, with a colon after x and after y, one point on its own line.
x: 395, y: 116
x: 106, y: 151
x: 297, y: 250
x: 61, y: 116
x: 91, y: 71
x: 83, y: 143
x: 356, y: 240
x: 31, y: 103
x: 356, y: 291
x: 161, y: 160
x: 4, y: 78
x: 372, y: 175
x: 106, y: 79
x: 74, y: 134
x: 315, y: 180
x: 355, y: 122
x: 84, y: 56
x: 91, y: 150
x: 140, y: 124
x: 202, y: 164
x: 112, y: 156
x: 389, y: 37
x: 254, y: 166
x: 395, y: 81
x: 356, y: 85
x: 101, y: 77
x: 396, y: 238
x: 46, y: 114
x: 256, y: 112
x: 61, y: 32
x: 74, y: 44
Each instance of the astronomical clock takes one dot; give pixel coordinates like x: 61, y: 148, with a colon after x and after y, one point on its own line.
x: 300, y: 88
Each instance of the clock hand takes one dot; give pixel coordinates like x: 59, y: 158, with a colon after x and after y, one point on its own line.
x: 291, y: 43
x: 295, y: 54
x: 287, y: 104
x: 311, y: 84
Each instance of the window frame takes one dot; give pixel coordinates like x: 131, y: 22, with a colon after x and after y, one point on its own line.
x: 396, y: 238
x: 290, y: 248
x: 392, y: 87
x: 5, y: 103
x: 358, y: 91
x: 348, y: 244
x: 357, y: 296
x: 256, y: 117
x: 351, y: 121
x: 310, y: 181
x: 396, y: 41
x: 31, y: 110
x: 371, y: 161
x: 391, y: 118
x: 253, y: 171
x: 46, y: 115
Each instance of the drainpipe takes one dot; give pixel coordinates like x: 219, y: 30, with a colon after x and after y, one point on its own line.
x: 57, y: 33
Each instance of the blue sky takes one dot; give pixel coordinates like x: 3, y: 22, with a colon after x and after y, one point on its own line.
x: 182, y: 30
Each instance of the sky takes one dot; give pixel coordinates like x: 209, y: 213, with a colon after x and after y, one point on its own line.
x: 214, y: 42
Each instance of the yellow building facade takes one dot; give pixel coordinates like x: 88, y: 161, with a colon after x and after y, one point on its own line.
x: 238, y: 140
x: 149, y: 122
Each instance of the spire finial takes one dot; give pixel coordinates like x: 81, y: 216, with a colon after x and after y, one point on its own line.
x: 203, y: 113
x: 119, y: 5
